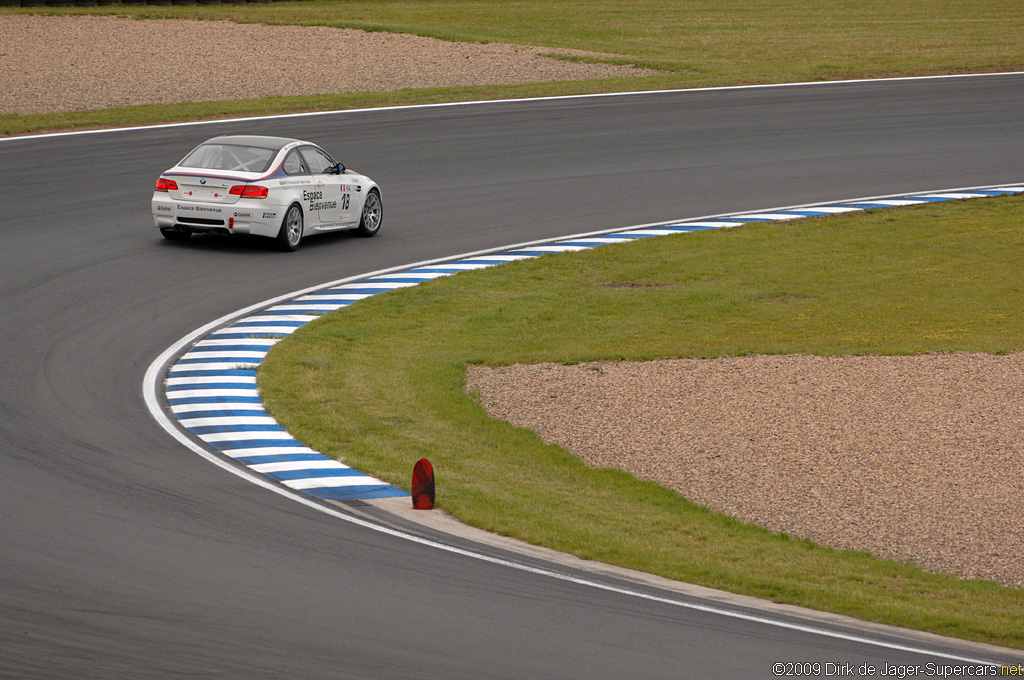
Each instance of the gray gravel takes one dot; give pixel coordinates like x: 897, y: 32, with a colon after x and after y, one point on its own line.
x: 915, y: 458
x: 73, y: 63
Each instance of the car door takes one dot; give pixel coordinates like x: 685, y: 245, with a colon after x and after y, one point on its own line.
x: 334, y: 194
x: 302, y: 186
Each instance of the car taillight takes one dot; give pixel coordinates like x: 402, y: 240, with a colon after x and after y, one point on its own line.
x: 249, y: 191
x: 166, y: 185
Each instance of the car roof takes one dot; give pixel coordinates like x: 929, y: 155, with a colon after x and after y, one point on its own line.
x: 276, y: 143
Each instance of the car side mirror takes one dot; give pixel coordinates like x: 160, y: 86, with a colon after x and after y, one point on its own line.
x: 335, y: 169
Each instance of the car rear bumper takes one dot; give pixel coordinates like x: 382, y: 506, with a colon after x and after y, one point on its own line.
x: 244, y: 217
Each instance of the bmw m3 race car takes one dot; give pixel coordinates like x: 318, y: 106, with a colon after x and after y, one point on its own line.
x: 268, y: 186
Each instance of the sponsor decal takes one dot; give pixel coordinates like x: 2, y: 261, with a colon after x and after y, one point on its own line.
x: 199, y: 208
x: 163, y: 207
x: 267, y: 216
x: 243, y: 214
x: 316, y: 202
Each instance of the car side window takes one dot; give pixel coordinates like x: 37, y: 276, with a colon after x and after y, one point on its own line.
x: 294, y: 164
x: 318, y: 161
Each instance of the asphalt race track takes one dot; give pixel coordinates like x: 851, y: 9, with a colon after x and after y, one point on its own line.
x: 125, y: 555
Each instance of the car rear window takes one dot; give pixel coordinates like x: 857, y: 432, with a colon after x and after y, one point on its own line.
x: 230, y: 157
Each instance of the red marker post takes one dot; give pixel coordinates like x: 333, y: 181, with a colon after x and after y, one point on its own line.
x: 423, y: 485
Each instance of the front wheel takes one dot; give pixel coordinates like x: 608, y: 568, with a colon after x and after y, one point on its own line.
x: 290, y: 236
x: 373, y: 213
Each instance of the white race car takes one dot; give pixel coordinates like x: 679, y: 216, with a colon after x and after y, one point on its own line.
x: 268, y: 186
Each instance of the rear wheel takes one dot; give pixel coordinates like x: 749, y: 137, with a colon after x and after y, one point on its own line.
x: 373, y: 213
x: 290, y: 235
x: 175, y: 234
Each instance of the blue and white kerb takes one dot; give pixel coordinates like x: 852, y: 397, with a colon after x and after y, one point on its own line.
x: 211, y: 389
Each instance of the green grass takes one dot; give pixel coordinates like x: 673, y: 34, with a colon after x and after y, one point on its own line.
x: 380, y: 385
x: 697, y: 44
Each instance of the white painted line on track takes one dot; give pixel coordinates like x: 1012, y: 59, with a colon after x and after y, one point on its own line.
x: 200, y: 354
x: 331, y: 482
x: 334, y: 296
x: 900, y: 203
x: 229, y: 365
x: 299, y: 465
x: 234, y: 342
x: 780, y: 217
x: 266, y: 315
x: 326, y: 307
x: 254, y: 453
x: 246, y: 436
x: 719, y: 224
x: 181, y: 394
x: 151, y: 385
x: 414, y: 274
x: 204, y: 379
x: 955, y: 195
x: 656, y: 232
x: 642, y: 93
x: 203, y: 407
x: 227, y: 420
x: 256, y: 330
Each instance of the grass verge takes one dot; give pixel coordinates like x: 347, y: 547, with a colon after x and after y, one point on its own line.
x: 698, y: 44
x: 380, y: 385
x: 153, y: 114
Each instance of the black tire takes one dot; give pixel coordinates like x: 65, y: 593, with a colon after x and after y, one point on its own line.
x: 290, y: 236
x: 373, y: 214
x: 175, y: 234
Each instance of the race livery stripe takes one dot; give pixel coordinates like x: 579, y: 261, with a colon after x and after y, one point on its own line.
x: 211, y: 389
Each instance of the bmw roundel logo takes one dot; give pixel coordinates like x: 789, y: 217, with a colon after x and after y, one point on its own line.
x: 202, y: 181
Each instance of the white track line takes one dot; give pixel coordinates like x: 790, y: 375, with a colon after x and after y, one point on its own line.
x: 310, y: 114
x: 151, y: 393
